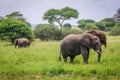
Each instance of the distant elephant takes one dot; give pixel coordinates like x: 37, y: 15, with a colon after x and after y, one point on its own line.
x: 75, y: 44
x: 21, y: 42
x: 100, y: 34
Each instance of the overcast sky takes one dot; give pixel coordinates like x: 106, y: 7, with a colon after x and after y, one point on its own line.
x: 33, y: 10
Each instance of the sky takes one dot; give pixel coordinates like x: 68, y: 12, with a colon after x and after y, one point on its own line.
x: 33, y: 10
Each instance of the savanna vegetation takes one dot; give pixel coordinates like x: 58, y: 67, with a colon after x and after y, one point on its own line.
x: 14, y: 26
x: 40, y: 60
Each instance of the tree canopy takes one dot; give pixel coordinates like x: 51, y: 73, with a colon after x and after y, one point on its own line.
x: 60, y: 15
x: 108, y: 22
x: 100, y: 26
x: 19, y: 16
x: 82, y: 23
x: 47, y: 32
x: 117, y: 16
x: 67, y: 25
x: 11, y: 29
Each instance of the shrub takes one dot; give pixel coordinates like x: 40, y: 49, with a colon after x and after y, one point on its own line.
x: 50, y: 32
x: 71, y: 31
x: 101, y: 26
x: 115, y: 30
x: 90, y: 26
x: 47, y: 33
x: 67, y: 25
x: 11, y: 29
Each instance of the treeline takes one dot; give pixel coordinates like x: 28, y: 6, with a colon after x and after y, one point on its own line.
x: 51, y: 32
x: 14, y: 25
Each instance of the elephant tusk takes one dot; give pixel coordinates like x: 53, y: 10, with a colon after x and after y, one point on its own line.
x: 99, y: 51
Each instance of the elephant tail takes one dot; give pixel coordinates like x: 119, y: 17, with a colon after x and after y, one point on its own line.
x: 16, y: 42
x: 59, y: 58
x: 105, y: 42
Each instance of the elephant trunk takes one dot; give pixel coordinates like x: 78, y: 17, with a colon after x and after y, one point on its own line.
x: 105, y: 43
x: 99, y: 55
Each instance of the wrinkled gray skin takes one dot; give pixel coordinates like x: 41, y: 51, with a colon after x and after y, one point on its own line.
x: 22, y: 42
x: 101, y: 35
x: 75, y: 44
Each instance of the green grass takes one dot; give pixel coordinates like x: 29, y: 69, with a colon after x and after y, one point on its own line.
x: 40, y: 62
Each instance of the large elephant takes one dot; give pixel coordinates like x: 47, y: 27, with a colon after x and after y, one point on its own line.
x: 22, y: 42
x: 75, y: 44
x: 100, y: 34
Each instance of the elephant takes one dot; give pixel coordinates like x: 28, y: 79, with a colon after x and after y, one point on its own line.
x: 75, y: 44
x: 21, y: 42
x: 101, y: 36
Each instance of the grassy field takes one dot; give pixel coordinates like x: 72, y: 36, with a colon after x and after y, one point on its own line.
x: 40, y: 62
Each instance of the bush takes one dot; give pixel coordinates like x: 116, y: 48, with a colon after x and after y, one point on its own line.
x: 90, y: 26
x: 11, y: 29
x: 101, y: 26
x: 115, y: 30
x: 71, y: 31
x: 67, y: 25
x: 47, y: 32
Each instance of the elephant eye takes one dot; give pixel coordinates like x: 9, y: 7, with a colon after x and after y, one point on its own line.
x: 95, y: 38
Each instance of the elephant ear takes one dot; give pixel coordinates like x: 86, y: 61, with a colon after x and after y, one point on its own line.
x: 85, y: 40
x: 94, y: 40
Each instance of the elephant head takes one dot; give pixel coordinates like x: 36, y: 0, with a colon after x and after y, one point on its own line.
x: 95, y: 42
x: 100, y: 34
x: 73, y: 45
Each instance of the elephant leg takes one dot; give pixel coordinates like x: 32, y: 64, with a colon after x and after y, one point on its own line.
x: 65, y: 58
x: 15, y: 46
x: 72, y: 59
x: 99, y: 56
x: 85, y: 60
x: 64, y: 55
x: 19, y: 47
x: 85, y: 54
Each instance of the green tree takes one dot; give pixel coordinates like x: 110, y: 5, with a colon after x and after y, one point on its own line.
x: 82, y: 23
x: 59, y: 16
x: 67, y: 31
x: 90, y: 26
x: 117, y: 16
x: 108, y: 22
x: 115, y: 30
x: 11, y: 29
x: 47, y: 32
x: 67, y: 25
x: 100, y: 26
x: 17, y: 15
x: 1, y: 18
x: 117, y: 24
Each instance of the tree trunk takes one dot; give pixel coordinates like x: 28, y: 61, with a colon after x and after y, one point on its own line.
x: 61, y: 26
